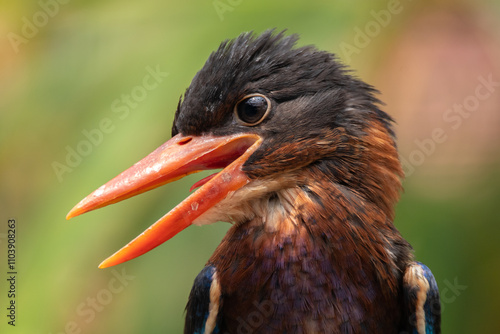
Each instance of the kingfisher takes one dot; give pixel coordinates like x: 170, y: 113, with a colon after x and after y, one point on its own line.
x: 307, y: 172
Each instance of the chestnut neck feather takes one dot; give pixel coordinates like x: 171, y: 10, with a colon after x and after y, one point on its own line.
x: 331, y: 243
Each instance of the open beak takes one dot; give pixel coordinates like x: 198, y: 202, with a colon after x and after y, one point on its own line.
x: 178, y: 157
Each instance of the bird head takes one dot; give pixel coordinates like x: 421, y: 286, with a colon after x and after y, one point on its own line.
x: 271, y: 116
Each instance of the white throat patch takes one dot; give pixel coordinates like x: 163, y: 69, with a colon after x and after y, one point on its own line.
x: 271, y: 200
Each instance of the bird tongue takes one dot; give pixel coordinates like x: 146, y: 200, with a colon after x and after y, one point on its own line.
x: 173, y: 160
x: 202, y: 182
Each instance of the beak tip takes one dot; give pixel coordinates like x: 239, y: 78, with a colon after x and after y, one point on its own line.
x: 105, y: 264
x: 76, y: 211
x: 70, y: 215
x: 110, y: 262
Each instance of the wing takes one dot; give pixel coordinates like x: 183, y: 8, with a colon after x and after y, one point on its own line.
x: 203, y: 316
x: 421, y: 301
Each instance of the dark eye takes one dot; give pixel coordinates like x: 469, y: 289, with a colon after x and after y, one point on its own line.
x: 252, y: 109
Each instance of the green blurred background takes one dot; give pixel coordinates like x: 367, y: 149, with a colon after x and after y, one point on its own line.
x: 62, y: 66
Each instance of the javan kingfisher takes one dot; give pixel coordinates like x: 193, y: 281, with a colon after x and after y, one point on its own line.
x: 309, y: 176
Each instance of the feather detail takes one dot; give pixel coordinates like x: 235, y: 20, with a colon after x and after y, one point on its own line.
x: 423, y: 309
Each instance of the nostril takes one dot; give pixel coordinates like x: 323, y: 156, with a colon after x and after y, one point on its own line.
x: 184, y: 141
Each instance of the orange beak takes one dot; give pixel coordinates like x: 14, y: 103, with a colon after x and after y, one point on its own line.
x: 178, y: 157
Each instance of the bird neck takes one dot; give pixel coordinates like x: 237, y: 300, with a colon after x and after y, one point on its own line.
x: 317, y: 243
x: 320, y: 216
x: 346, y: 201
x: 369, y: 167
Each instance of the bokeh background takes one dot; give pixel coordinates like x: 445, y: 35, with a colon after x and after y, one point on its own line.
x: 66, y: 65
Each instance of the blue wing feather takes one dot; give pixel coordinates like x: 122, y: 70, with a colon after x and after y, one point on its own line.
x: 198, y: 307
x: 432, y: 305
x: 422, y: 305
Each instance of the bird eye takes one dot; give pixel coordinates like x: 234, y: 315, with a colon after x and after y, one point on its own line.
x: 252, y: 109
